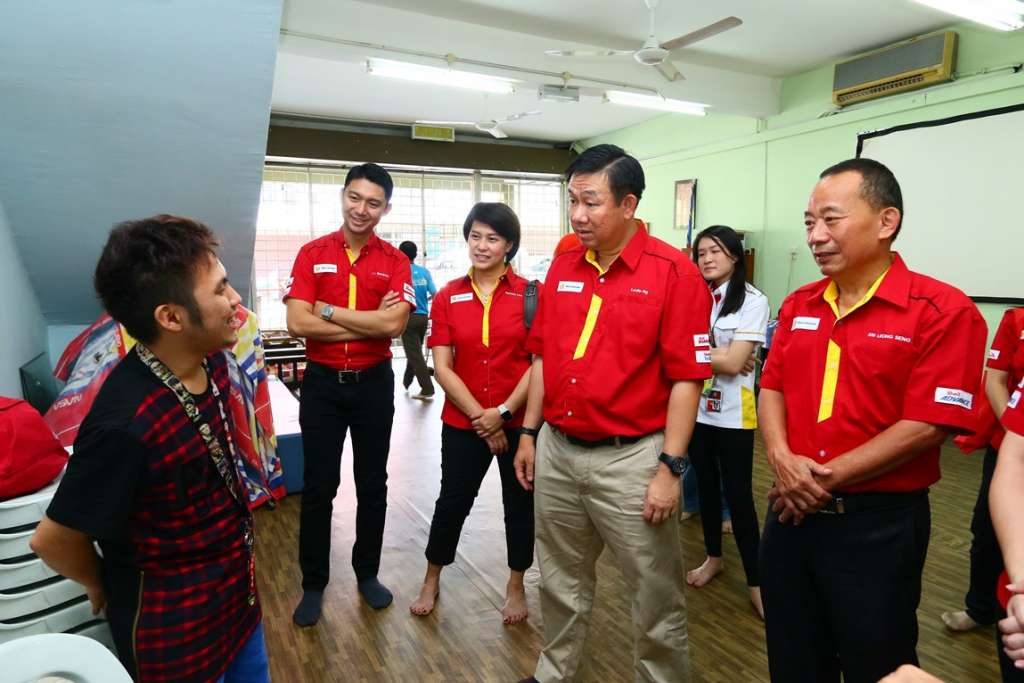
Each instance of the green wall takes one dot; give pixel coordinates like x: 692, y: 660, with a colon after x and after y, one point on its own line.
x: 755, y: 175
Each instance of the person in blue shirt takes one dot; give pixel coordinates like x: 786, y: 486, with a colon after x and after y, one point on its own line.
x: 416, y: 330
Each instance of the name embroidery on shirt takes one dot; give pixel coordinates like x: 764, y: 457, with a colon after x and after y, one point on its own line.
x: 456, y: 298
x: 803, y: 322
x: 325, y: 268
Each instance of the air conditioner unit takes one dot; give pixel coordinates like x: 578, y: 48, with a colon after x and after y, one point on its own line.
x: 909, y: 65
x: 433, y: 133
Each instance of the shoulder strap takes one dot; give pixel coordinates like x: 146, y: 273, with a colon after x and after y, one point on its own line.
x: 530, y: 302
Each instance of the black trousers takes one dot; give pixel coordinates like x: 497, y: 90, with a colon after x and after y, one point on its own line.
x: 727, y: 455
x: 327, y: 410
x: 465, y: 459
x: 986, y: 558
x: 841, y: 592
x: 415, y: 363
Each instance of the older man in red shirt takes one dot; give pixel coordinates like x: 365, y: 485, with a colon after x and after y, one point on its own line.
x: 621, y: 352
x: 870, y: 370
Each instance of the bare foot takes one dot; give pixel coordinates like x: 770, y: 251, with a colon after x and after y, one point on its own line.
x: 959, y: 621
x: 702, y: 575
x: 755, y: 600
x: 514, y: 610
x: 424, y: 604
x: 727, y: 526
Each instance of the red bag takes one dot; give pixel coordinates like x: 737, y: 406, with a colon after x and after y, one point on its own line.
x: 30, y: 455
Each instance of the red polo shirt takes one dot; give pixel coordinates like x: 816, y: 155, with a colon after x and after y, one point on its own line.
x: 1013, y: 416
x: 614, y: 342
x: 325, y: 270
x: 1007, y: 354
x: 911, y: 349
x: 488, y: 341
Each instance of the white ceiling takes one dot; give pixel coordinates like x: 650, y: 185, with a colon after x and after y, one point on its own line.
x: 737, y: 72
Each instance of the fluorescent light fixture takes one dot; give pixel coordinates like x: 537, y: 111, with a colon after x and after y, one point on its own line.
x: 1005, y: 15
x: 632, y: 99
x: 408, y: 71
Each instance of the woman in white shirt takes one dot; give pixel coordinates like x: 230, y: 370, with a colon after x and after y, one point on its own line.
x: 722, y: 446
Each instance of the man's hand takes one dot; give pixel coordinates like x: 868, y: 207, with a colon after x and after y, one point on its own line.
x: 498, y: 443
x: 909, y: 674
x: 523, y: 463
x: 390, y: 300
x: 795, y: 482
x: 487, y: 423
x: 1012, y: 627
x: 97, y: 596
x: 662, y: 497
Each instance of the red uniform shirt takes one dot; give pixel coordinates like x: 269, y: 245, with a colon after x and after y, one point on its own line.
x: 912, y: 349
x: 1007, y: 354
x: 1013, y: 416
x: 614, y: 342
x: 325, y: 271
x: 488, y: 341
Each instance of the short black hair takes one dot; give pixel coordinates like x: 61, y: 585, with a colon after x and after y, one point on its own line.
x: 375, y: 174
x: 625, y: 174
x: 500, y: 218
x: 878, y: 185
x: 409, y: 249
x: 150, y: 262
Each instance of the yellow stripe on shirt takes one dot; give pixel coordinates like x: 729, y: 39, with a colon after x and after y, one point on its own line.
x: 351, y: 280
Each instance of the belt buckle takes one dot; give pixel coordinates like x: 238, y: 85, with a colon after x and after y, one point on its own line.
x: 348, y: 376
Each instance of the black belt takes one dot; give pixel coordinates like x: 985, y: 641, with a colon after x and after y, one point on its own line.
x: 350, y: 376
x: 598, y: 443
x: 847, y: 503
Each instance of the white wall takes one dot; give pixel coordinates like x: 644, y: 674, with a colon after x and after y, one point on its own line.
x: 22, y: 330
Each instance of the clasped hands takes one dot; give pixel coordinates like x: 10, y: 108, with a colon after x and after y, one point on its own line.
x: 490, y: 427
x: 800, y: 487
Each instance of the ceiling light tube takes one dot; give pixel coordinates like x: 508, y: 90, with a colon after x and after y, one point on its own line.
x: 407, y: 71
x: 1005, y: 15
x: 632, y: 99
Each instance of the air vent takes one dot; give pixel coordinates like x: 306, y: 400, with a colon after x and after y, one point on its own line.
x: 912, y: 64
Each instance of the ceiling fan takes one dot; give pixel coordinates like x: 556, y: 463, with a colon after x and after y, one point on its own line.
x: 653, y: 53
x: 492, y: 126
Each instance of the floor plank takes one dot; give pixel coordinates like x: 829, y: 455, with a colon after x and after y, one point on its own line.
x: 464, y: 639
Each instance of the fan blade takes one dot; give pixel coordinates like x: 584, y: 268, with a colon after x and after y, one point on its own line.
x: 447, y: 123
x: 522, y: 114
x: 702, y: 33
x: 587, y: 53
x: 669, y: 71
x: 498, y: 132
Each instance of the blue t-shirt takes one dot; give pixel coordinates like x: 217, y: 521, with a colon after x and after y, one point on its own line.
x: 423, y: 284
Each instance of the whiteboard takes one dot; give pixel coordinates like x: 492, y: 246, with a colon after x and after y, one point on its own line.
x: 963, y: 197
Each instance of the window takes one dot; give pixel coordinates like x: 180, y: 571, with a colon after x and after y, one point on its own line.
x: 299, y: 203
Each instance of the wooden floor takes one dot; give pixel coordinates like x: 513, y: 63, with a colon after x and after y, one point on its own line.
x: 464, y: 639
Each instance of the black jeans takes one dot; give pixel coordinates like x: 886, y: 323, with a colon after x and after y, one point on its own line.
x: 465, y: 459
x: 727, y: 455
x: 327, y: 410
x: 841, y: 592
x: 415, y: 363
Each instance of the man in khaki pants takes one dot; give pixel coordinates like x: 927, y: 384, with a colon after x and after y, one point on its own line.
x: 621, y: 352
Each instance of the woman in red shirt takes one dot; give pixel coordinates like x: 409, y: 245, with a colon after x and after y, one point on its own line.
x: 478, y: 337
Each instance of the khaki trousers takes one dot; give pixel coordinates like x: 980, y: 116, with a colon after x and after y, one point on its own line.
x: 585, y: 499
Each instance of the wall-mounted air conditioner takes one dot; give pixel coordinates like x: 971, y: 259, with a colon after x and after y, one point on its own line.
x: 909, y: 65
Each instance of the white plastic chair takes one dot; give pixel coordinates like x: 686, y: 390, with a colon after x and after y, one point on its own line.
x: 80, y: 659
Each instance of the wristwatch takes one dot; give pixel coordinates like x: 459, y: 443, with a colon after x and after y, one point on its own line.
x: 327, y: 311
x: 505, y: 413
x: 675, y: 465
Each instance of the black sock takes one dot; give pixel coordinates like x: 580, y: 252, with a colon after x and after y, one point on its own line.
x: 308, y: 611
x: 375, y: 593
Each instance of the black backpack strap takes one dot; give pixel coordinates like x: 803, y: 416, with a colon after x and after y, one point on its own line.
x: 530, y: 302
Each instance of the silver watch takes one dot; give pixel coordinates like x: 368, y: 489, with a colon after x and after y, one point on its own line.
x: 327, y: 311
x: 505, y: 413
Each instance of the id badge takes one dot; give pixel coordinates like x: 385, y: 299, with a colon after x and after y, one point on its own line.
x: 712, y: 396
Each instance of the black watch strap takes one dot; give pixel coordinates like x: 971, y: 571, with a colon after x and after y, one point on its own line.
x: 529, y: 431
x: 675, y: 465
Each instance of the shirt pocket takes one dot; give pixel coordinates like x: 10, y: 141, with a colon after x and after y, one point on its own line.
x: 725, y: 329
x: 636, y: 321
